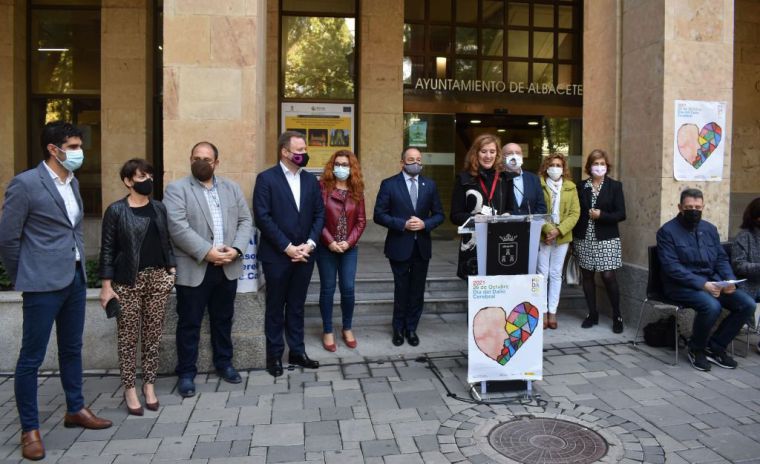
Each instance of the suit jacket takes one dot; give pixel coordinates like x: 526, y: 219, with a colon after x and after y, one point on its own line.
x: 279, y: 220
x: 393, y: 208
x: 37, y: 241
x: 611, y: 205
x: 533, y: 195
x: 192, y: 229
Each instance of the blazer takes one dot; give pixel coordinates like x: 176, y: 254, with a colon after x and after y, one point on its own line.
x: 279, y: 220
x: 393, y: 207
x: 37, y: 241
x: 468, y: 194
x: 191, y: 227
x: 123, y: 234
x: 611, y: 205
x: 533, y: 196
x: 569, y: 210
x: 745, y: 259
x: 356, y: 220
x: 689, y: 259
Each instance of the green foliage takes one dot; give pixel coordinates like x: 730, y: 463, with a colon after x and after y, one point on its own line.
x: 92, y: 267
x: 319, y: 58
x: 5, y: 280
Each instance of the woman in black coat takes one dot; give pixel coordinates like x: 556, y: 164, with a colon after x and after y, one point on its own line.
x: 479, y: 189
x: 596, y: 238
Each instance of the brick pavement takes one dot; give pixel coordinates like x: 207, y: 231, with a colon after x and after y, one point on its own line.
x: 395, y: 411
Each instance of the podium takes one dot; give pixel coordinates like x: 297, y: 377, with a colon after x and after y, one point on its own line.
x: 506, y: 246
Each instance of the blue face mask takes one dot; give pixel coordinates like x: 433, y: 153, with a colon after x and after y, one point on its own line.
x: 73, y: 161
x: 341, y: 172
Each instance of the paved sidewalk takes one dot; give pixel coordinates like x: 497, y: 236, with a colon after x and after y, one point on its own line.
x: 394, y: 410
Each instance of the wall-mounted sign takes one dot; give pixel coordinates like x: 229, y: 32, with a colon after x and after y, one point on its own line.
x: 699, y: 140
x: 418, y: 134
x: 469, y: 85
x: 328, y: 127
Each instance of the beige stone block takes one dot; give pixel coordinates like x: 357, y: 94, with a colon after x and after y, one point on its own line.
x: 643, y: 24
x: 383, y: 77
x: 210, y: 93
x: 119, y: 72
x: 124, y: 21
x: 125, y: 4
x: 122, y: 120
x: 128, y: 97
x: 171, y: 93
x: 259, y: 8
x: 187, y: 40
x: 699, y: 20
x: 680, y: 60
x: 215, y: 8
x: 233, y: 41
x: 373, y: 8
x: 598, y: 14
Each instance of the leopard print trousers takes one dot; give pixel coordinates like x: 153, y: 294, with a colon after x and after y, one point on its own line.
x: 142, y: 314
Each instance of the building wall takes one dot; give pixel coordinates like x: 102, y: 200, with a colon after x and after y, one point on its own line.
x: 745, y: 168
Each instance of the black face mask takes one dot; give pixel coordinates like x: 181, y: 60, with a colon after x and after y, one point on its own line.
x: 691, y: 217
x: 143, y: 188
x: 300, y: 159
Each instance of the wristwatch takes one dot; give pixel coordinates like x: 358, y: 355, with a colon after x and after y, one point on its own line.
x: 240, y: 253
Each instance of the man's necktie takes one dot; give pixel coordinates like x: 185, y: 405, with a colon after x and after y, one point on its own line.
x: 413, y: 191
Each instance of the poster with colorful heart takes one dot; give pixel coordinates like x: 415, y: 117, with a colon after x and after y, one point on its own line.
x: 505, y: 330
x: 699, y: 140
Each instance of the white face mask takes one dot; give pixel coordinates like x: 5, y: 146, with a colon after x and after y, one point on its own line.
x: 513, y: 162
x: 554, y: 173
x: 598, y: 170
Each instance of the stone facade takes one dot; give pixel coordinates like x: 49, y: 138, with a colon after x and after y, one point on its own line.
x: 13, y: 44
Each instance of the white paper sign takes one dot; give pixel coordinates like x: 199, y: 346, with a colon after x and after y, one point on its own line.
x: 505, y: 330
x: 252, y: 278
x: 699, y: 140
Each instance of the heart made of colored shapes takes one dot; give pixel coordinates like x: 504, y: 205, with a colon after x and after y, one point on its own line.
x: 499, y: 335
x: 696, y: 145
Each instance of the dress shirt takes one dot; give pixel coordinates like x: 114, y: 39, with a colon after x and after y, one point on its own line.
x: 294, y: 182
x: 519, y: 188
x: 69, y: 199
x: 215, y: 207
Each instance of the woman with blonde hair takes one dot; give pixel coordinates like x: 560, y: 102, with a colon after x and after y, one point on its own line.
x: 342, y: 187
x: 562, y: 202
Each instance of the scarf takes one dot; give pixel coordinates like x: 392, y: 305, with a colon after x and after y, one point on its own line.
x: 554, y: 188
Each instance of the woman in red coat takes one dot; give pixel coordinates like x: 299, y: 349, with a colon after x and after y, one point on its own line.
x: 343, y: 193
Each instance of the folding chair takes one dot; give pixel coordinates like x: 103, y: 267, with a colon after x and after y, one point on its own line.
x: 655, y: 299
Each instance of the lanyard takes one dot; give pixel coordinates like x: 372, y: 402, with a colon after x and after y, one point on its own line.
x: 493, y: 186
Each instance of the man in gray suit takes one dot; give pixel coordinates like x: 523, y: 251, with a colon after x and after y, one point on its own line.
x: 210, y: 227
x: 42, y: 249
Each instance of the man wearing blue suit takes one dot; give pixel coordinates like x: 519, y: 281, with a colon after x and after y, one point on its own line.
x: 288, y: 210
x: 526, y: 196
x: 42, y: 249
x: 409, y: 206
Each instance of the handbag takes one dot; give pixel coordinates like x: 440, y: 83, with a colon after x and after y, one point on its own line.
x: 572, y: 271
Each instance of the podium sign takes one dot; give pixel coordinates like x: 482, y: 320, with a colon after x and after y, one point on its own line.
x: 507, y: 248
x: 505, y: 327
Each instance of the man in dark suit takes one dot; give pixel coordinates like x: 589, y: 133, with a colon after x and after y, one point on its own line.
x: 288, y: 210
x: 409, y: 206
x: 42, y: 249
x: 526, y: 196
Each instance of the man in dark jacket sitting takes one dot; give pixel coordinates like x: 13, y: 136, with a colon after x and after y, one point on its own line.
x: 695, y: 271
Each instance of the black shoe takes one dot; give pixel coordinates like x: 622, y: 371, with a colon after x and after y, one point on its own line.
x: 398, y: 337
x: 590, y: 321
x: 617, y: 325
x: 186, y: 387
x: 720, y: 358
x: 412, y: 338
x: 229, y: 374
x: 274, y: 367
x: 302, y: 360
x: 698, y: 360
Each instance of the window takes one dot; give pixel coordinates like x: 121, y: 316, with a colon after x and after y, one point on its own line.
x: 64, y: 63
x: 529, y: 41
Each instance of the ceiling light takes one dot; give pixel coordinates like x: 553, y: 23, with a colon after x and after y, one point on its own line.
x: 475, y: 121
x: 501, y: 130
x: 52, y: 49
x: 532, y: 123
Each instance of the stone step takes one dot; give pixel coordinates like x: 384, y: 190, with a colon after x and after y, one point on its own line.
x: 384, y: 283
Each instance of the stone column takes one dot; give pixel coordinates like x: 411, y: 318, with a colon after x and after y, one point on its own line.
x: 126, y: 89
x: 13, y: 122
x: 381, y: 95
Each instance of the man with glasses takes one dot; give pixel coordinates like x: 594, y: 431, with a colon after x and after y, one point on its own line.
x: 210, y: 226
x: 408, y: 205
x: 696, y: 273
x: 289, y: 212
x: 526, y: 195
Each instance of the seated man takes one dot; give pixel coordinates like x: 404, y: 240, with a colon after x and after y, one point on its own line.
x: 694, y: 270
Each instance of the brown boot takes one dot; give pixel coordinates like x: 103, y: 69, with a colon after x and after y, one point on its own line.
x: 85, y: 419
x: 31, y: 445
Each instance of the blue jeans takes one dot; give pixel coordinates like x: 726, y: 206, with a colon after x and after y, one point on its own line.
x: 342, y: 266
x: 708, y: 308
x: 65, y: 307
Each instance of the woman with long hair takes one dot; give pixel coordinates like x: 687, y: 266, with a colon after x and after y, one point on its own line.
x: 478, y: 189
x: 745, y: 252
x: 561, y: 199
x: 342, y: 187
x: 596, y: 237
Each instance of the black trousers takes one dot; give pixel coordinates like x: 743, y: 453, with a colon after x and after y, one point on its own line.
x: 286, y: 293
x: 217, y: 293
x: 409, y: 279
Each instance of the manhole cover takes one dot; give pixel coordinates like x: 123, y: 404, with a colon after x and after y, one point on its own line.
x: 543, y: 440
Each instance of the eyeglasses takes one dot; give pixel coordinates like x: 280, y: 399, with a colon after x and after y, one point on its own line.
x: 342, y: 165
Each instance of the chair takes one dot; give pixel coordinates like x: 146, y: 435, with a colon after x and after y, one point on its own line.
x: 655, y: 298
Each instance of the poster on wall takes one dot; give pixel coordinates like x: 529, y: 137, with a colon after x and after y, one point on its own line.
x: 505, y: 327
x: 328, y: 127
x: 252, y: 278
x: 699, y: 140
x: 418, y: 134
